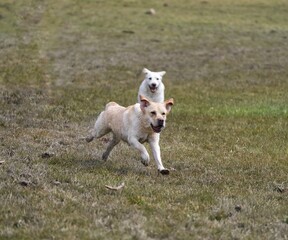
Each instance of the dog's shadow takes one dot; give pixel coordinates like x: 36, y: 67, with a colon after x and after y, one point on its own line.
x: 92, y: 164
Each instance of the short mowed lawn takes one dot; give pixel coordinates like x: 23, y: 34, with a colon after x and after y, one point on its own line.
x: 225, y: 142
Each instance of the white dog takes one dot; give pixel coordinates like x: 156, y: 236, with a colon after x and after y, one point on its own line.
x: 152, y: 86
x: 135, y: 125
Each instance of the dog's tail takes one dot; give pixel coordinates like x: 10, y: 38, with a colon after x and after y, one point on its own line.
x: 110, y: 104
x: 89, y: 138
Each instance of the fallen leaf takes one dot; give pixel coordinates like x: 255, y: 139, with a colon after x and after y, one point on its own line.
x: 115, y: 188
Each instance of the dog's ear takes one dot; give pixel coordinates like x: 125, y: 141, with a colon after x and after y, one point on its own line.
x: 162, y: 73
x: 168, y: 104
x: 144, y: 102
x: 145, y: 70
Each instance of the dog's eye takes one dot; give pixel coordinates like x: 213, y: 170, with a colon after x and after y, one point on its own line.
x: 163, y: 114
x: 157, y: 78
x: 150, y: 78
x: 153, y: 113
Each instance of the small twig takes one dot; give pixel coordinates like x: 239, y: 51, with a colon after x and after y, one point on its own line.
x: 2, y: 161
x: 115, y: 188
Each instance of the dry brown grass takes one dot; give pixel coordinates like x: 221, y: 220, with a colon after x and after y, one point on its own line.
x: 226, y: 138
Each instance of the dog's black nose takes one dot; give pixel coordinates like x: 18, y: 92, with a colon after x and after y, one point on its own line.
x: 153, y: 85
x: 160, y: 122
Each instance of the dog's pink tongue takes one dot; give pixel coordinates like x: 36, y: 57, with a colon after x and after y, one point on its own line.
x: 153, y: 90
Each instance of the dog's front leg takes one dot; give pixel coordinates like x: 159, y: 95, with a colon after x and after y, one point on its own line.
x: 154, y: 144
x: 144, y: 154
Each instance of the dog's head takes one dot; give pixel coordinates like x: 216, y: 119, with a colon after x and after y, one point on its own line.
x: 153, y: 79
x: 155, y: 113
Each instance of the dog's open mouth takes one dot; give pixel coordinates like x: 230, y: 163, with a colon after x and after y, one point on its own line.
x: 153, y: 89
x: 156, y: 129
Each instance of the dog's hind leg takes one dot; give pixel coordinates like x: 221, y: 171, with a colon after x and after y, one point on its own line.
x: 111, y: 145
x: 100, y: 128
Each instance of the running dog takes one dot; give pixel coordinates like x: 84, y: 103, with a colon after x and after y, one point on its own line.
x: 152, y: 86
x: 135, y: 125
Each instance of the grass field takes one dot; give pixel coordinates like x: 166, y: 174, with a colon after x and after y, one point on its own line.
x: 226, y: 139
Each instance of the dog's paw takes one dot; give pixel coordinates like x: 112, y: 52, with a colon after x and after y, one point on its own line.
x: 89, y: 138
x: 145, y: 162
x: 164, y: 171
x: 105, y: 156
